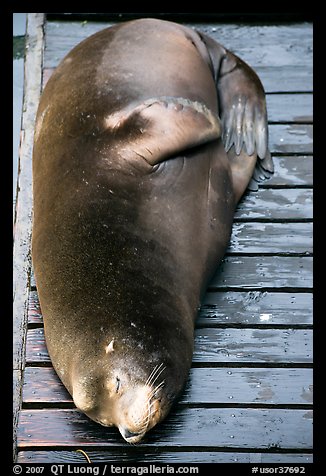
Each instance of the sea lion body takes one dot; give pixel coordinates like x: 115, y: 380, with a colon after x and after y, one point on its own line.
x: 134, y: 197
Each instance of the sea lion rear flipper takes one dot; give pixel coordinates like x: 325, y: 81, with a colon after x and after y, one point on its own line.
x: 242, y: 108
x: 163, y: 127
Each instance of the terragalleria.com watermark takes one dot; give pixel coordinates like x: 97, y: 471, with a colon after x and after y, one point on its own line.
x: 58, y: 469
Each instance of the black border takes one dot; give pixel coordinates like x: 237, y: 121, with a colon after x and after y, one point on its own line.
x: 296, y: 14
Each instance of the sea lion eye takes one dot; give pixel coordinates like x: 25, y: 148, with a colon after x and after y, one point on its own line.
x: 117, y: 384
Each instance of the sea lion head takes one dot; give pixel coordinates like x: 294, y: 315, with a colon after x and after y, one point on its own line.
x: 128, y: 389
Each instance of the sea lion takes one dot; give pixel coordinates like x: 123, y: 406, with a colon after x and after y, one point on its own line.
x: 147, y: 135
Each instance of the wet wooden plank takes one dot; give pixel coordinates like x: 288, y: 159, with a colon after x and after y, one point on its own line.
x: 291, y: 138
x: 36, y: 351
x: 286, y: 78
x: 270, y: 386
x: 277, y: 45
x: 296, y: 108
x: 42, y: 385
x: 34, y: 309
x: 291, y: 171
x: 184, y: 427
x: 276, y: 204
x: 253, y: 346
x: 61, y: 37
x: 265, y: 45
x: 134, y: 455
x: 275, y: 79
x: 255, y: 308
x: 286, y: 238
x: 221, y: 345
x: 276, y: 272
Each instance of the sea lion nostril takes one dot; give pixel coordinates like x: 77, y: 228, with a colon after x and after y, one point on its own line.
x: 127, y: 434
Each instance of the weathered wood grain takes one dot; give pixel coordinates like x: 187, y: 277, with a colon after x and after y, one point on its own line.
x: 276, y: 204
x: 138, y: 455
x: 42, y: 385
x: 286, y: 78
x: 277, y: 238
x: 291, y: 171
x: 34, y: 309
x: 253, y: 346
x: 184, y: 427
x: 269, y: 44
x: 36, y: 351
x: 276, y: 272
x: 221, y: 345
x: 270, y: 386
x: 291, y: 138
x: 295, y: 108
x: 255, y: 308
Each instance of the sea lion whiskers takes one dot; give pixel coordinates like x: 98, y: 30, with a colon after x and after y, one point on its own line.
x: 151, y: 375
x: 155, y: 374
x: 151, y: 395
x: 149, y: 403
x: 144, y: 423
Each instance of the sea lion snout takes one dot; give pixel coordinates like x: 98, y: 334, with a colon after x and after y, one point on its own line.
x: 139, y: 410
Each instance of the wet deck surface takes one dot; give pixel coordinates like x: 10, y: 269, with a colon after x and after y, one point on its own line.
x: 249, y: 394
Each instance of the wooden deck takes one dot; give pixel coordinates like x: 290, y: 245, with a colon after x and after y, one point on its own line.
x: 249, y: 394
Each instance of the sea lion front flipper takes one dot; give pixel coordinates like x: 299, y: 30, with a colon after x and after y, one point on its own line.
x: 163, y: 127
x: 242, y: 108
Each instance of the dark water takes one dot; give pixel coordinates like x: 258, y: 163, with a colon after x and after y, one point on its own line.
x: 18, y: 47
